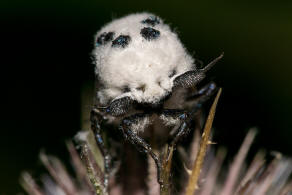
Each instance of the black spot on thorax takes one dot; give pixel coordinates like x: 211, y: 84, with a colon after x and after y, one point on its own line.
x: 149, y: 33
x: 151, y: 20
x: 104, y: 38
x: 121, y: 41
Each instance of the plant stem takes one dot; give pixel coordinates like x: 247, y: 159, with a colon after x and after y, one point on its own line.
x: 194, y: 177
x: 165, y: 188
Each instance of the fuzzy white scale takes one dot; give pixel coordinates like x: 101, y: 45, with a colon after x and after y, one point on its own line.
x: 143, y: 66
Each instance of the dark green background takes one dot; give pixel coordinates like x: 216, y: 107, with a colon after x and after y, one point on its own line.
x: 45, y: 62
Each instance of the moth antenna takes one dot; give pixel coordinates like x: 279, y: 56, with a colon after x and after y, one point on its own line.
x: 211, y: 64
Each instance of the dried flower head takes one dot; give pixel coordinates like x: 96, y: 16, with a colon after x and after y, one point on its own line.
x: 204, y: 172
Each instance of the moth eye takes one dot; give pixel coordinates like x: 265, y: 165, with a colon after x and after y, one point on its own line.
x: 104, y: 38
x: 121, y: 41
x: 172, y: 73
x: 149, y: 33
x: 151, y: 20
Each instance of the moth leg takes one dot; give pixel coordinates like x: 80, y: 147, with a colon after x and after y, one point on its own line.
x: 174, y: 115
x: 205, y: 90
x: 185, y: 117
x: 116, y: 108
x: 205, y: 93
x: 130, y: 133
x: 96, y: 119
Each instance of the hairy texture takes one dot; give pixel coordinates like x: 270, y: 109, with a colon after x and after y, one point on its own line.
x: 140, y: 125
x: 104, y: 38
x: 121, y: 41
x: 151, y: 20
x: 149, y: 33
x: 141, y: 62
x: 169, y: 121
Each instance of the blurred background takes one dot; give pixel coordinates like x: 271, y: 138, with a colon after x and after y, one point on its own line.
x: 46, y: 65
